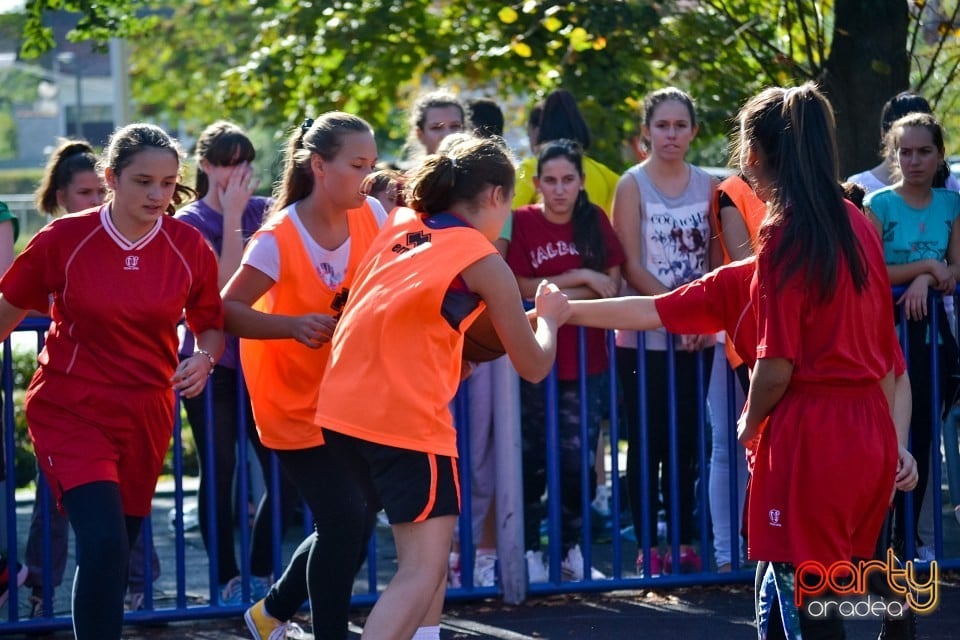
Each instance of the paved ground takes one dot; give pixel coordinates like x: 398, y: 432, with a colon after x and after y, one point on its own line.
x: 708, y: 613
x: 713, y: 612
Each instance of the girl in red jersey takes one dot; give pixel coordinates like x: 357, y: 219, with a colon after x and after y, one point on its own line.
x: 284, y: 303
x: 816, y: 397
x: 100, y: 407
x: 70, y: 184
x: 431, y: 271
x: 720, y: 300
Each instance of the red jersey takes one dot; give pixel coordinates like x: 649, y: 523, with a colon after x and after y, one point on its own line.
x: 825, y: 463
x: 116, y: 303
x: 719, y: 301
x: 540, y: 249
x: 836, y: 343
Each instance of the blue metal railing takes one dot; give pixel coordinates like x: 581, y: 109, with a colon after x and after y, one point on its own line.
x: 611, y: 556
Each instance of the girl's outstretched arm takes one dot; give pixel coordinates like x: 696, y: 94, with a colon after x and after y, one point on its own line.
x: 636, y: 313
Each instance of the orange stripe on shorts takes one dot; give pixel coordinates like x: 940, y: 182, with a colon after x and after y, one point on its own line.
x: 456, y: 478
x: 432, y: 499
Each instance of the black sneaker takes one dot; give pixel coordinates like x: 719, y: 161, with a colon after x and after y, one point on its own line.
x: 21, y: 577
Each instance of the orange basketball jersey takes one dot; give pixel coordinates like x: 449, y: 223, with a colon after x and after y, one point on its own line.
x: 395, y: 361
x: 283, y: 376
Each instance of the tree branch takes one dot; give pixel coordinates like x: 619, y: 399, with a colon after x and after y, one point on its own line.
x: 801, y: 17
x: 944, y: 34
x: 744, y: 27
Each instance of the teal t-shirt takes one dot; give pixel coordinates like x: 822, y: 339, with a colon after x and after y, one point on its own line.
x: 5, y: 214
x: 911, y: 234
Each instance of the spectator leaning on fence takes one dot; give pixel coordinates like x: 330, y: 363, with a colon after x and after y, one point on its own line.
x: 569, y: 241
x: 100, y: 407
x: 921, y: 240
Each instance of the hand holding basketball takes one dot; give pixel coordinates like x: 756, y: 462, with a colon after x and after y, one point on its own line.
x: 481, y: 342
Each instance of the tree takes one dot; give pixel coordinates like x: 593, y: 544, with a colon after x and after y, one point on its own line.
x: 277, y: 60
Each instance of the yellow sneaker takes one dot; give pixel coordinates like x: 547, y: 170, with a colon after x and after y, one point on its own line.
x: 262, y: 625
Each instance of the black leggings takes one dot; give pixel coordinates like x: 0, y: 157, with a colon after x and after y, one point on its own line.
x: 324, y: 565
x: 688, y: 404
x: 103, y: 535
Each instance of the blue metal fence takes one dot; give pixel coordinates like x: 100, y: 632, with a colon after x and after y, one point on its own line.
x: 194, y: 594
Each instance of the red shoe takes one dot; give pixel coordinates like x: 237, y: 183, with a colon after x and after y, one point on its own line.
x: 655, y: 563
x: 689, y: 560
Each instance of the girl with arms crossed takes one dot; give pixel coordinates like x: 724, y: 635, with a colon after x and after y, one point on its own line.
x: 569, y: 240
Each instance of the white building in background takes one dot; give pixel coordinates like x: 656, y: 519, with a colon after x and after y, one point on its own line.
x: 83, y: 93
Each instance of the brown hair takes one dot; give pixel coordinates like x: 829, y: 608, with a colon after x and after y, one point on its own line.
x: 67, y: 160
x: 323, y: 136
x: 459, y: 172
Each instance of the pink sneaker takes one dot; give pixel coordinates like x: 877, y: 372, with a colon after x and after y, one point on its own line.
x: 453, y: 571
x: 689, y: 560
x: 655, y: 563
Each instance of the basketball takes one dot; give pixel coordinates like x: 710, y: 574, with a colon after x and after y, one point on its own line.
x: 481, y: 342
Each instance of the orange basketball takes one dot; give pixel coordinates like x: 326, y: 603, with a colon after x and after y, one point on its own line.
x: 481, y: 342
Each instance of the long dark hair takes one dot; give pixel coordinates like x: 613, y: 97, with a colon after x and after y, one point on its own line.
x: 794, y: 131
x: 587, y: 235
x: 560, y: 118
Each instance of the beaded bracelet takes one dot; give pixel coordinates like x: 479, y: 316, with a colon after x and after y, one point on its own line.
x: 209, y: 357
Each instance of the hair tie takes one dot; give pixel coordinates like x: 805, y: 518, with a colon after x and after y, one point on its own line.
x: 791, y: 92
x: 303, y: 131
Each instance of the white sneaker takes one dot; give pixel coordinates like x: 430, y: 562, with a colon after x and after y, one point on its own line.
x: 572, y: 566
x: 601, y: 503
x: 926, y: 553
x: 536, y: 569
x: 485, y: 570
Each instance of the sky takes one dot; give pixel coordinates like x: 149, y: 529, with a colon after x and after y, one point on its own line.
x: 6, y: 6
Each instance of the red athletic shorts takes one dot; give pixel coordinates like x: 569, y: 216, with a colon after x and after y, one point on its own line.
x: 85, y: 432
x: 823, y: 475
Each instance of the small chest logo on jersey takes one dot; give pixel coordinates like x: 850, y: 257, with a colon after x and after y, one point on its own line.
x: 131, y: 263
x: 339, y: 301
x: 775, y: 518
